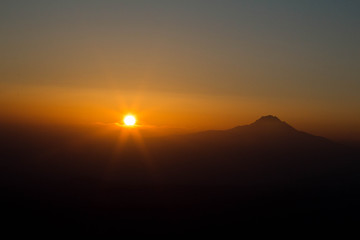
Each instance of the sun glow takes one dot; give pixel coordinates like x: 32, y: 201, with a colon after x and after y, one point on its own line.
x: 129, y: 120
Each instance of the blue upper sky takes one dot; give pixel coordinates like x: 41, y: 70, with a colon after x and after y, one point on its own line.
x: 267, y: 48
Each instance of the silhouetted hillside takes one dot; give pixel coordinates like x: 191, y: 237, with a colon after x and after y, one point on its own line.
x: 267, y: 151
x: 266, y: 130
x: 249, y: 174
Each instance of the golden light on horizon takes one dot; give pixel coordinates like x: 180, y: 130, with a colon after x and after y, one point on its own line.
x: 129, y: 120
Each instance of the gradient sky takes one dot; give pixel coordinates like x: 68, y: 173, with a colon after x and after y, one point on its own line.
x: 192, y: 64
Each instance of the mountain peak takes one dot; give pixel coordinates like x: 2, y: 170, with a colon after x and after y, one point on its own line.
x: 269, y: 123
x: 268, y: 118
x: 271, y: 120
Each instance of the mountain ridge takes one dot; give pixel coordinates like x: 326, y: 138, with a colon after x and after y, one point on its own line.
x: 268, y: 126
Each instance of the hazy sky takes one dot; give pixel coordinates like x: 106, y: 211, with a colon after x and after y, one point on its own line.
x: 189, y: 61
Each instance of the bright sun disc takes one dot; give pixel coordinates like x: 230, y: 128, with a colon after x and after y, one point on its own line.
x: 129, y: 120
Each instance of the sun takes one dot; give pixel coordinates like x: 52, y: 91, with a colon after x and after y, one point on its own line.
x: 129, y: 120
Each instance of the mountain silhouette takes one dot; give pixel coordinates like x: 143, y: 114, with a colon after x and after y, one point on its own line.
x: 265, y: 125
x: 271, y: 123
x: 267, y: 130
x: 268, y: 151
x: 252, y: 173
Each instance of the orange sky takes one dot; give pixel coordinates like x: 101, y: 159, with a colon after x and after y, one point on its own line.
x: 191, y: 112
x: 182, y: 64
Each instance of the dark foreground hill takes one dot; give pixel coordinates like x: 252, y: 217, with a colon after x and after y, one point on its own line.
x: 260, y: 174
